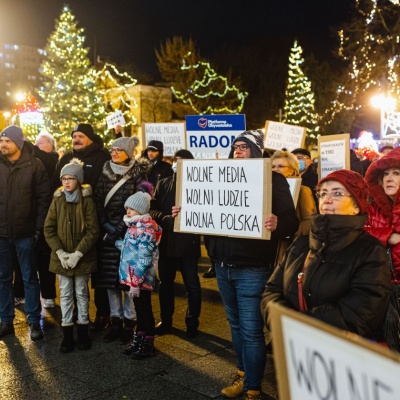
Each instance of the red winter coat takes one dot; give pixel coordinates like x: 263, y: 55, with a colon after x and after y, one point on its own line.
x: 383, y: 214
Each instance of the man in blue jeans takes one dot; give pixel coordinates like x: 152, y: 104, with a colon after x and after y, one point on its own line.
x: 242, y: 267
x: 24, y: 201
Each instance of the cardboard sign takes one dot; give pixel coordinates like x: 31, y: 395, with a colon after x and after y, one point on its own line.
x: 115, y: 119
x: 334, y: 153
x: 294, y: 187
x: 316, y: 361
x: 224, y: 197
x: 211, y: 136
x: 280, y: 136
x: 172, y: 135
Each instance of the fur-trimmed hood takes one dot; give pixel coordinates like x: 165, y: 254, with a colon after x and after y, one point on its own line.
x: 138, y: 168
x: 86, y: 191
x: 373, y: 178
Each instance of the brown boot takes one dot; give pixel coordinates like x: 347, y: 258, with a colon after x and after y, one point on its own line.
x: 236, y: 389
x: 115, y: 330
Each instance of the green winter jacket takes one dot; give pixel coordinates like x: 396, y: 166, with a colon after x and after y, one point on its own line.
x: 62, y: 230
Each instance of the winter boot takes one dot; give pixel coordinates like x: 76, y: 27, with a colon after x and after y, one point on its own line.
x: 127, y: 331
x: 134, y: 346
x: 84, y: 341
x: 145, y: 349
x: 67, y: 344
x: 115, y: 330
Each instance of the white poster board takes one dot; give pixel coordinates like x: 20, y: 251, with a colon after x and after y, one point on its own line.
x: 280, y: 136
x: 294, y: 187
x: 334, y: 153
x: 317, y: 361
x: 172, y: 135
x: 224, y: 197
x: 114, y: 119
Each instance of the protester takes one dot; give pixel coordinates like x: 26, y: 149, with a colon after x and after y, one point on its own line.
x: 121, y: 177
x: 342, y: 270
x: 137, y: 269
x: 177, y: 251
x: 24, y: 201
x: 89, y: 148
x: 71, y: 230
x: 243, y: 266
x: 160, y: 169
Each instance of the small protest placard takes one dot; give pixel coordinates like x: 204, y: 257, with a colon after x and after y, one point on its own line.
x: 224, y: 197
x: 172, y: 135
x: 115, y: 119
x: 294, y: 187
x: 334, y: 153
x: 315, y: 361
x: 280, y: 136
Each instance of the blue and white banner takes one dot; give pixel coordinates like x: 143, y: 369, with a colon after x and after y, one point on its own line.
x: 211, y: 136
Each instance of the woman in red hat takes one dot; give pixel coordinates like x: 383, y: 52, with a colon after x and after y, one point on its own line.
x: 344, y: 274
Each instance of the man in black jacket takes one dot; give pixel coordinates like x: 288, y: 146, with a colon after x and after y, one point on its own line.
x: 160, y: 169
x: 89, y: 148
x: 24, y: 201
x: 177, y: 250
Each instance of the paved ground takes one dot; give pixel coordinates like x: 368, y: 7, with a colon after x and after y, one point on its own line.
x: 183, y: 368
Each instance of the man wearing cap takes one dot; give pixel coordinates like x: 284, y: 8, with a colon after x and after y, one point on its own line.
x: 177, y: 250
x: 89, y: 148
x: 159, y: 169
x: 309, y: 177
x: 24, y: 201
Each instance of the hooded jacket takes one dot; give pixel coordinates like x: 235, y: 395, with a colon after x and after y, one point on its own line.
x: 383, y: 213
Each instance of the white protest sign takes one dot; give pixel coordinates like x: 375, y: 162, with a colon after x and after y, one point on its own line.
x: 172, y: 135
x: 115, y: 119
x: 334, y: 153
x: 280, y: 136
x: 294, y: 187
x: 224, y: 197
x: 316, y: 361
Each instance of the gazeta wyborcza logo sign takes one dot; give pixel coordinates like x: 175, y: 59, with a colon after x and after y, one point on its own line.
x: 210, y: 134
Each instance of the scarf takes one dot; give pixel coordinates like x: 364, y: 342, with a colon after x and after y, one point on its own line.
x: 72, y: 197
x: 121, y: 169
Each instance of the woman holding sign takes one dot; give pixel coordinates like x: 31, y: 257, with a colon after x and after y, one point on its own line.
x: 340, y: 273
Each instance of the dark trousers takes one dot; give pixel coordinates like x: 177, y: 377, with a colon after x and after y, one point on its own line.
x: 144, y: 313
x: 101, y: 302
x: 167, y: 267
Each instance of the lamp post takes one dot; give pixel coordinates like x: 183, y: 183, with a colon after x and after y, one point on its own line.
x: 384, y: 103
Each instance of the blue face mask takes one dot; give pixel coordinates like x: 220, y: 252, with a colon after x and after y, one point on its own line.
x: 302, y: 165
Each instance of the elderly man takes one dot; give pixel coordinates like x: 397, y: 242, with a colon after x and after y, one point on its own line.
x: 242, y: 267
x: 24, y: 201
x: 89, y: 148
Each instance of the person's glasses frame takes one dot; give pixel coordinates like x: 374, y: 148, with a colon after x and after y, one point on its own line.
x: 242, y: 147
x: 279, y: 166
x: 116, y: 150
x: 63, y: 179
x: 336, y: 195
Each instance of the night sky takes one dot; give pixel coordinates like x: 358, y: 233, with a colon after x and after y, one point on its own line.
x: 129, y: 31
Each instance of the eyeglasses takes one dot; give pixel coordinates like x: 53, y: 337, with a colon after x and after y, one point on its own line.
x: 242, y: 147
x: 67, y: 179
x: 115, y: 150
x: 279, y: 166
x: 336, y: 195
x: 303, y: 157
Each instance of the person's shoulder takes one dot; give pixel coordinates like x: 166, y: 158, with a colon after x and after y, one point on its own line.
x: 87, y: 190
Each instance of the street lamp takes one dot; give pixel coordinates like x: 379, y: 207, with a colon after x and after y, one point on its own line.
x: 385, y: 104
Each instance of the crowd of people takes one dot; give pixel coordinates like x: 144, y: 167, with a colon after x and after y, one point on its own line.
x: 105, y: 218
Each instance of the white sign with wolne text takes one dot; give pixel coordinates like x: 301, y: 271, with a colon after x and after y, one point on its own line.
x: 172, y: 135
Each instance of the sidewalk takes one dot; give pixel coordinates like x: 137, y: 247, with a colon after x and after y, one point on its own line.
x: 183, y: 369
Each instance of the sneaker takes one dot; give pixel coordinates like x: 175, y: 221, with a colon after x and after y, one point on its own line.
x: 6, y: 329
x: 36, y: 331
x: 19, y: 300
x: 236, y: 389
x: 49, y: 303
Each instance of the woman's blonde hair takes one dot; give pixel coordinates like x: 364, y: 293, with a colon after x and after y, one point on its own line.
x: 290, y: 158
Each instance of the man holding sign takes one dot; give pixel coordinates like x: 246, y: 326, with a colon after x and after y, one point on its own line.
x: 242, y: 268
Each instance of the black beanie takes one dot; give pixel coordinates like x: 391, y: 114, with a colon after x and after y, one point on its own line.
x: 186, y: 154
x: 255, y: 139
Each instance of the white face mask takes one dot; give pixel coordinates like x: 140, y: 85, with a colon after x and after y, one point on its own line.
x: 174, y: 167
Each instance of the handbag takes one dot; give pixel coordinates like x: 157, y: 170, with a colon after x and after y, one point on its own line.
x: 391, y: 327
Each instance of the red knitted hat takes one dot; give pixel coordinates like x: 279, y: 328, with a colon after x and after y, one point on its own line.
x: 353, y: 182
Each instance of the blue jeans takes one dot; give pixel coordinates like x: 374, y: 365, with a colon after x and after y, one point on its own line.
x: 121, y: 307
x: 241, y: 290
x: 25, y: 253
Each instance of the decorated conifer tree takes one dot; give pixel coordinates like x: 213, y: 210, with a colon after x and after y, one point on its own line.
x: 299, y: 97
x: 69, y: 93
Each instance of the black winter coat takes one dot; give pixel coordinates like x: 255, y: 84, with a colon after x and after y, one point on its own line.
x: 93, y: 158
x: 110, y: 218
x: 173, y: 244
x: 346, y: 280
x: 24, y: 196
x: 254, y: 252
x: 159, y: 171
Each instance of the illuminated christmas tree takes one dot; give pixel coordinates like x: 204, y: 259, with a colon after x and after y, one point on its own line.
x: 69, y: 92
x: 299, y: 97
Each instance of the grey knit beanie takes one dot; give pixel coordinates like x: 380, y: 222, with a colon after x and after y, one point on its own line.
x: 75, y: 169
x: 255, y: 139
x: 127, y: 144
x: 15, y: 134
x: 140, y: 201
